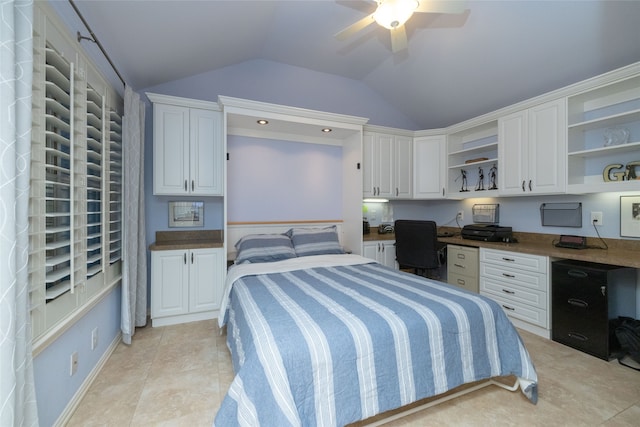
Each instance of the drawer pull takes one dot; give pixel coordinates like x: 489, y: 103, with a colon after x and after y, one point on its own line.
x: 578, y: 303
x: 508, y: 259
x: 577, y: 336
x: 461, y: 282
x: 458, y: 265
x: 507, y: 291
x: 461, y: 256
x: 508, y: 275
x: 577, y: 273
x: 508, y: 308
x: 185, y: 257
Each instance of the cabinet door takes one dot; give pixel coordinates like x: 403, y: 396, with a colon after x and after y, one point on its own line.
x: 384, y: 164
x: 547, y: 148
x: 170, y: 149
x: 428, y: 167
x: 169, y: 283
x: 370, y: 250
x: 206, y: 154
x: 369, y: 171
x: 403, y: 167
x: 512, y: 146
x: 388, y: 254
x: 205, y: 279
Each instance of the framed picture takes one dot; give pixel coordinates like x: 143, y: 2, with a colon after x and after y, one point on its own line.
x: 630, y: 216
x: 186, y: 214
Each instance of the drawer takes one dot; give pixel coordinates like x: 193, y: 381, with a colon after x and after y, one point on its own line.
x: 535, y: 263
x: 462, y: 260
x: 466, y: 282
x: 521, y: 278
x: 506, y: 291
x: 533, y: 315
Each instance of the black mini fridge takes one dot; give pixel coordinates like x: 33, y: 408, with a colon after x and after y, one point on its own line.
x: 584, y: 297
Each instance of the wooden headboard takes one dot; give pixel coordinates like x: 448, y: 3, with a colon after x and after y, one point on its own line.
x: 237, y: 230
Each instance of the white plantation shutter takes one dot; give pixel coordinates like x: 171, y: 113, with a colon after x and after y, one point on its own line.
x: 115, y: 186
x: 94, y: 175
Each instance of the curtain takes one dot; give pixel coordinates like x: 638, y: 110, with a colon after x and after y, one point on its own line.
x: 134, y: 268
x: 17, y: 390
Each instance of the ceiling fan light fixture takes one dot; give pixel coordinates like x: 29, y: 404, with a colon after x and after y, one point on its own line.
x: 392, y: 14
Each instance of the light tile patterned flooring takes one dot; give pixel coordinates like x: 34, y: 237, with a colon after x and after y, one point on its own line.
x: 177, y: 376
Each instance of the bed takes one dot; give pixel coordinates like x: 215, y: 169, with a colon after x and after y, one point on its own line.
x: 323, y: 338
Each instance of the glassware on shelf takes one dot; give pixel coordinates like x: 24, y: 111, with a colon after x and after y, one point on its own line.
x: 615, y: 136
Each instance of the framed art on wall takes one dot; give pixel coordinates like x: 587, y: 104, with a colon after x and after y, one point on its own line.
x: 186, y: 214
x: 630, y: 216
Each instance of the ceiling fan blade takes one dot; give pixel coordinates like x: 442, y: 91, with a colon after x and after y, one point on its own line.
x: 355, y: 27
x: 398, y: 39
x: 439, y: 6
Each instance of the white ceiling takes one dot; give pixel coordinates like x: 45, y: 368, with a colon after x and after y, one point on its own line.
x: 456, y: 66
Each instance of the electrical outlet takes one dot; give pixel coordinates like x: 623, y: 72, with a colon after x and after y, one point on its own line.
x: 73, y: 368
x: 596, y: 218
x: 460, y: 216
x: 94, y: 338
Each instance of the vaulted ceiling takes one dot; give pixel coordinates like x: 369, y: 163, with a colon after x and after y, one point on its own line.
x: 455, y: 67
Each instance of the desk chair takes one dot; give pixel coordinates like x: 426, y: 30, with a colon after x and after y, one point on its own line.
x: 417, y: 247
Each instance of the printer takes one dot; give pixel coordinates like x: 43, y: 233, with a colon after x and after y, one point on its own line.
x: 486, y: 232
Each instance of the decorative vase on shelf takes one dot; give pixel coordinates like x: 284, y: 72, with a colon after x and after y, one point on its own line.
x: 615, y: 136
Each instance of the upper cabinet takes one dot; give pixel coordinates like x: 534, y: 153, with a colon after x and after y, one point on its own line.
x: 532, y: 150
x: 188, y: 157
x: 429, y: 171
x: 604, y: 134
x: 387, y: 165
x: 473, y: 159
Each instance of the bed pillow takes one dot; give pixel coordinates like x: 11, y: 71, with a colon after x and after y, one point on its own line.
x: 264, y: 248
x: 315, y: 241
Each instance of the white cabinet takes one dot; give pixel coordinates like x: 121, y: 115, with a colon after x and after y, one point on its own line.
x: 186, y: 284
x: 532, y: 150
x: 387, y: 165
x: 610, y: 106
x: 520, y: 284
x: 383, y: 251
x: 472, y: 152
x: 429, y: 171
x: 188, y: 156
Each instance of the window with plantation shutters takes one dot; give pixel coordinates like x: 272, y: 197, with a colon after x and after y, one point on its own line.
x: 74, y: 201
x: 115, y: 186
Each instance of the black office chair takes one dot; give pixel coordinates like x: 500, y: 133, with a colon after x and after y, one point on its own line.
x: 417, y: 247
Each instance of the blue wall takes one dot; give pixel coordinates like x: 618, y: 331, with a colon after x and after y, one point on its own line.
x: 54, y: 386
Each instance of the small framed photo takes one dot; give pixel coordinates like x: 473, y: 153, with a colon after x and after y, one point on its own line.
x: 630, y: 216
x: 186, y: 214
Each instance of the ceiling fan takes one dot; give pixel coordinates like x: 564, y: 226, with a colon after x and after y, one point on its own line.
x: 392, y: 14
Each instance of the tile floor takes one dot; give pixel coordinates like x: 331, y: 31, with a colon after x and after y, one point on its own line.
x: 178, y: 375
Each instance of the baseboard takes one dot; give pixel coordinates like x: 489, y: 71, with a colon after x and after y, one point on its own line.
x: 64, y: 418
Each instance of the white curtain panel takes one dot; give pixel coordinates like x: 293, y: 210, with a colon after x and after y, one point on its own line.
x: 134, y: 269
x: 17, y: 391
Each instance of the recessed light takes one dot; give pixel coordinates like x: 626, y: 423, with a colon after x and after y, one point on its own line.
x: 326, y: 130
x: 263, y: 122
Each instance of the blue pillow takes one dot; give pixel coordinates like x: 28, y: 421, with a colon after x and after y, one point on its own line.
x: 264, y: 248
x: 315, y: 241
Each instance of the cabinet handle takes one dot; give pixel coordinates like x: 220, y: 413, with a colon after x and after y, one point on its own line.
x: 508, y: 308
x: 508, y: 259
x: 461, y: 282
x: 193, y: 184
x: 382, y: 246
x: 191, y: 257
x: 185, y: 257
x: 442, y: 191
x: 458, y: 265
x: 511, y: 276
x: 185, y: 185
x: 461, y: 256
x: 577, y: 336
x: 523, y: 186
x: 578, y: 303
x: 577, y: 273
x: 397, y: 192
x: 530, y: 188
x: 507, y: 291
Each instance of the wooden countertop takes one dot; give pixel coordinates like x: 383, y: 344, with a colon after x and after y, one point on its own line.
x: 172, y: 240
x: 625, y: 253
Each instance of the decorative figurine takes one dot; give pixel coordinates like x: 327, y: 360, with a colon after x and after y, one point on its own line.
x: 463, y: 175
x: 492, y: 178
x: 480, y: 186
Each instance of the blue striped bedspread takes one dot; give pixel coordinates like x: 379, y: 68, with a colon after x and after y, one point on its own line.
x: 330, y: 340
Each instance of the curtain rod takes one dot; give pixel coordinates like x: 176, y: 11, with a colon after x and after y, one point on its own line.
x: 94, y: 39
